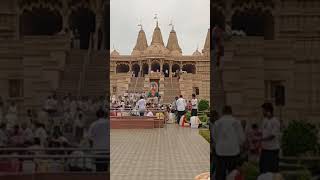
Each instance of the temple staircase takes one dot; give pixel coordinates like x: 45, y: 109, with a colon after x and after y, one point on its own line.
x: 171, y: 89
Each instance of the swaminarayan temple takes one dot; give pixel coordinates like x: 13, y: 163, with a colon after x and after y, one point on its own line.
x: 160, y: 69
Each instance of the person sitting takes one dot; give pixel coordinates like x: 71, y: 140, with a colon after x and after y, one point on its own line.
x: 183, y: 121
x: 195, y: 122
x: 150, y: 113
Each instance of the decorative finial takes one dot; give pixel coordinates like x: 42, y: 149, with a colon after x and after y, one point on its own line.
x: 140, y: 24
x: 156, y: 17
x: 113, y: 47
x: 171, y: 24
x: 197, y: 46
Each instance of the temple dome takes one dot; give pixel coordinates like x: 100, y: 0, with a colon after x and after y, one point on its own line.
x: 173, y: 45
x: 157, y: 46
x: 141, y: 43
x: 115, y: 53
x: 196, y: 53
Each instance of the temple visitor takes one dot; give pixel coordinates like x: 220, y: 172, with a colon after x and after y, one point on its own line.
x: 99, y: 138
x: 228, y: 136
x: 254, y: 144
x: 150, y: 113
x: 181, y: 107
x: 194, y: 103
x: 269, y: 158
x: 141, y: 106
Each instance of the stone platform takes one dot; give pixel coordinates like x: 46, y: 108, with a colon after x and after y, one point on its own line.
x: 135, y: 122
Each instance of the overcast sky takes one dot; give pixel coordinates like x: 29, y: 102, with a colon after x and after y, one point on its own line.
x: 191, y: 19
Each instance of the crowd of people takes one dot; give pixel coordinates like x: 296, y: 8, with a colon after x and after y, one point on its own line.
x: 139, y: 105
x: 62, y: 122
x: 233, y: 144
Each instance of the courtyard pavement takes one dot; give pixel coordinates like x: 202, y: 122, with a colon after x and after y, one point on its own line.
x: 168, y: 153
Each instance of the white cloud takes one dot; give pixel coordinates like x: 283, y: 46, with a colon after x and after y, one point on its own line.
x: 190, y: 17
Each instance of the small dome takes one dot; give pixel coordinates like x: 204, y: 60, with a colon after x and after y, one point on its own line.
x: 115, y: 53
x: 196, y: 53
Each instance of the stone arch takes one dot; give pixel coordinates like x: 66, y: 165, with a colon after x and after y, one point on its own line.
x: 189, y: 68
x: 217, y: 17
x: 82, y: 22
x: 155, y: 66
x: 166, y: 69
x: 136, y: 69
x: 40, y: 21
x: 122, y: 68
x: 145, y: 69
x: 254, y: 22
x: 175, y: 68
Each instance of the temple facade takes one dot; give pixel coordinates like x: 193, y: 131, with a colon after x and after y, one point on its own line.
x: 52, y: 45
x: 163, y: 67
x: 279, y: 46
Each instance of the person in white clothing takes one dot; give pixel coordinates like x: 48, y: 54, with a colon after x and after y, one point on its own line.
x: 228, y: 137
x: 270, y: 142
x: 141, y: 106
x: 194, y: 103
x: 181, y: 108
x: 150, y: 113
x: 98, y: 134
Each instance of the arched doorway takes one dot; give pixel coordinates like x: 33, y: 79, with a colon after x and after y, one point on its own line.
x: 122, y: 68
x: 82, y: 23
x: 166, y: 70
x: 136, y: 69
x: 189, y: 68
x: 175, y: 68
x: 145, y: 69
x: 155, y: 67
x: 40, y: 21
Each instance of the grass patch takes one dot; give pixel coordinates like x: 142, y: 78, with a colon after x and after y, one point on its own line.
x: 205, y: 133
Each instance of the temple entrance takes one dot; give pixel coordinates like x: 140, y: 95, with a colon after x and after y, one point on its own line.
x: 136, y: 69
x: 175, y: 69
x: 145, y: 69
x: 40, y: 21
x: 189, y: 68
x: 122, y: 68
x: 166, y: 70
x: 155, y: 67
x: 82, y: 23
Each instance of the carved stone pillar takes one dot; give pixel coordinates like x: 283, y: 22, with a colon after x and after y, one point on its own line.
x: 170, y: 69
x: 149, y: 64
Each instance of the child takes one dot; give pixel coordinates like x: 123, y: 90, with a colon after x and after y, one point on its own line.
x: 254, y: 137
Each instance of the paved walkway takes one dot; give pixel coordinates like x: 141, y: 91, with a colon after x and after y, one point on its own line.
x: 168, y: 153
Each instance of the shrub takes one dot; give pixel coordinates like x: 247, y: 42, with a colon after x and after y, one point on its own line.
x: 203, y: 118
x: 299, y: 137
x: 203, y: 105
x: 251, y: 171
x: 188, y: 116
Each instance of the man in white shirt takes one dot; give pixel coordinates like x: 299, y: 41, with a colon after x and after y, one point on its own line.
x: 141, y: 106
x: 269, y: 158
x: 99, y: 136
x: 194, y: 103
x: 181, y: 108
x: 228, y: 137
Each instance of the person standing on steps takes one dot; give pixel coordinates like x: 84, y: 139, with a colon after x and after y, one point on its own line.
x: 141, y: 106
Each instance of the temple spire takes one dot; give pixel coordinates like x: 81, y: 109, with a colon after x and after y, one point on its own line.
x: 173, y: 44
x: 141, y: 43
x: 206, y: 47
x: 157, y: 36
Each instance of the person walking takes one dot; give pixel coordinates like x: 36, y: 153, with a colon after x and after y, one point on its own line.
x: 141, y: 106
x: 181, y: 107
x: 194, y: 103
x: 228, y: 137
x: 270, y: 142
